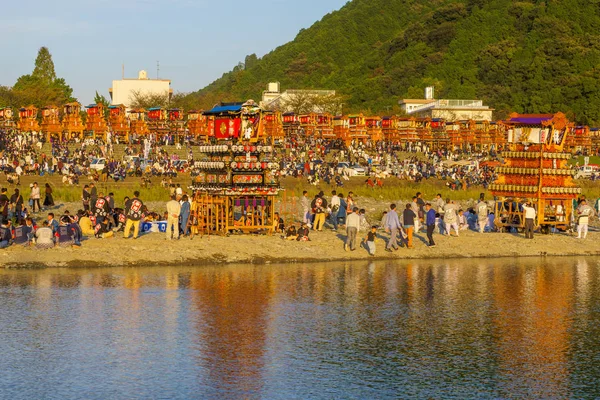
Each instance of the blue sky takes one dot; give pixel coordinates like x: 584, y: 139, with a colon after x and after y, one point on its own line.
x: 196, y: 41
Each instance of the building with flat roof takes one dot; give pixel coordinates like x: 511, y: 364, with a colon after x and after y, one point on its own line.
x: 448, y: 109
x: 306, y: 99
x: 123, y: 91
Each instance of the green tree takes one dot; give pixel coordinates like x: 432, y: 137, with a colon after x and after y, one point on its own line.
x: 44, y: 66
x: 42, y: 87
x: 100, y: 99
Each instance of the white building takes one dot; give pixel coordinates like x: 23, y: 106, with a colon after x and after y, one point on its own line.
x: 448, y: 109
x: 274, y: 99
x: 122, y: 91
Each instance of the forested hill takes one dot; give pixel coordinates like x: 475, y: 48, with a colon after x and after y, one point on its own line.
x: 525, y: 56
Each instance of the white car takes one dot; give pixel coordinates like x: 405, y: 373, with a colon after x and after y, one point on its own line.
x: 585, y: 172
x: 98, y: 164
x: 358, y: 170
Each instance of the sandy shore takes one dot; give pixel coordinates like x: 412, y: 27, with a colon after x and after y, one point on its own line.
x: 153, y: 249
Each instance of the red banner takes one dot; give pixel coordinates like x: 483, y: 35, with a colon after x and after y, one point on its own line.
x: 227, y: 127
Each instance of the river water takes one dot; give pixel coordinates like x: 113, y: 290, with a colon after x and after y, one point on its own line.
x: 426, y: 329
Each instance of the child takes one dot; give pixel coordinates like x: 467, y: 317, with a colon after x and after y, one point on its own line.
x: 370, y: 239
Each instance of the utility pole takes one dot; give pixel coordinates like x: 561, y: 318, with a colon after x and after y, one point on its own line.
x: 157, y: 69
x: 123, y: 71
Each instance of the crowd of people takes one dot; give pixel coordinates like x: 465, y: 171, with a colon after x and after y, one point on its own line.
x: 398, y: 227
x: 21, y: 154
x: 99, y: 217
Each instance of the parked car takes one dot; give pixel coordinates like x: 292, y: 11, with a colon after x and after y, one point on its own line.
x: 358, y: 170
x: 586, y: 171
x: 98, y: 164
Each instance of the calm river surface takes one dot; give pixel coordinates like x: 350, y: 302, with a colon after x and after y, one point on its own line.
x: 427, y: 329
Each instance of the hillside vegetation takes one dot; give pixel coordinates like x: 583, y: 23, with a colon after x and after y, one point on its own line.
x: 525, y: 56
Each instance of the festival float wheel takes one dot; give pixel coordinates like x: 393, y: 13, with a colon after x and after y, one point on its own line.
x: 545, y: 229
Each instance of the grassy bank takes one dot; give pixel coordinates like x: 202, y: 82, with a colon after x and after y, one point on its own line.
x: 392, y: 190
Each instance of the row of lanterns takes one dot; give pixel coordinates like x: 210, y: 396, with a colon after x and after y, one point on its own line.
x: 209, y: 164
x: 561, y: 190
x: 513, y: 188
x: 223, y: 148
x: 520, y: 171
x: 219, y: 148
x: 251, y: 149
x: 565, y: 172
x: 253, y: 166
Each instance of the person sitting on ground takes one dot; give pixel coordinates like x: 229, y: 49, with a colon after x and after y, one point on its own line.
x: 303, y: 233
x: 291, y: 233
x: 278, y: 223
x: 86, y: 225
x: 67, y: 234
x: 5, y: 234
x: 21, y: 233
x: 102, y: 230
x: 44, y: 238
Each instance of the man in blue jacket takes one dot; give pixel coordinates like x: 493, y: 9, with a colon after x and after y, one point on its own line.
x: 430, y: 222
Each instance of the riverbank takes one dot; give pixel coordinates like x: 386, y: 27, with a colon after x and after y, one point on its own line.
x: 152, y: 249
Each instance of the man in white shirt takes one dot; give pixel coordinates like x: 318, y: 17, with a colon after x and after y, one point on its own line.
x: 529, y: 213
x: 335, y: 206
x: 173, y: 211
x: 482, y: 214
x: 352, y: 228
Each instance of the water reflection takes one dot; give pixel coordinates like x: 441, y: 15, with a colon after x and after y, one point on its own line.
x: 481, y: 328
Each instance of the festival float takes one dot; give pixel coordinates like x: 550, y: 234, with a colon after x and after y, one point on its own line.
x: 595, y: 139
x: 28, y: 119
x: 407, y: 130
x: 325, y: 126
x: 454, y: 136
x: 197, y: 125
x: 357, y: 128
x: 535, y: 170
x: 483, y: 136
x: 137, y: 123
x: 6, y: 121
x: 236, y: 178
x: 374, y: 128
x: 389, y: 127
x: 176, y: 122
x: 158, y: 121
x: 119, y: 125
x: 578, y: 139
x: 438, y: 131
x: 72, y: 125
x: 424, y: 134
x: 291, y: 125
x: 51, y: 125
x: 498, y: 135
x: 341, y: 129
x: 467, y: 133
x: 270, y: 127
x: 95, y: 124
x: 308, y: 124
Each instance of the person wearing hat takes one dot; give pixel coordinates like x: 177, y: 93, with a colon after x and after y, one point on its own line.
x: 303, y: 233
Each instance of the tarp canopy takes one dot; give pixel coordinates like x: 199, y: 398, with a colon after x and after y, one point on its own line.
x: 225, y: 108
x: 531, y: 119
